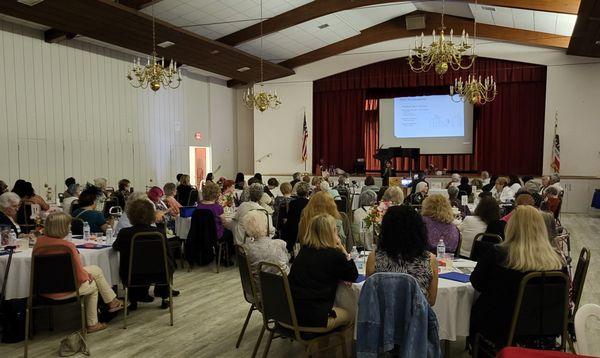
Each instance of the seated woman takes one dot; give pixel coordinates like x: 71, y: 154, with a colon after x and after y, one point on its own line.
x: 486, y: 212
x: 184, y: 189
x: 501, y: 191
x: 438, y: 217
x: 498, y: 274
x: 327, y: 188
x: 74, y: 191
x: 262, y: 248
x: 403, y: 248
x: 455, y: 202
x: 281, y: 202
x: 420, y: 193
x: 393, y: 195
x: 141, y: 214
x: 170, y: 189
x: 9, y: 206
x: 369, y: 185
x: 294, y: 214
x: 551, y: 201
x: 317, y: 270
x: 226, y: 198
x: 87, y: 210
x: 124, y: 220
x: 90, y: 278
x: 464, y: 186
x: 320, y: 203
x: 164, y: 215
x: 365, y: 202
x: 514, y: 183
x: 210, y: 195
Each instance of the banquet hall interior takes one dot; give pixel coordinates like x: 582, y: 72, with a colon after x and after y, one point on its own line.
x: 359, y: 178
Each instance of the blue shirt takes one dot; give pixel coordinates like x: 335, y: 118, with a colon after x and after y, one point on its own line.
x: 92, y: 217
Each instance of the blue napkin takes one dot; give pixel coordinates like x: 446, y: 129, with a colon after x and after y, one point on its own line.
x: 456, y: 276
x: 360, y: 278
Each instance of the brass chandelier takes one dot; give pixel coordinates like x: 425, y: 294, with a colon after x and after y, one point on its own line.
x: 261, y: 100
x: 154, y: 74
x: 442, y: 53
x: 473, y: 89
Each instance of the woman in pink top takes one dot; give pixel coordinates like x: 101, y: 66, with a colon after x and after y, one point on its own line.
x: 169, y: 190
x: 90, y: 278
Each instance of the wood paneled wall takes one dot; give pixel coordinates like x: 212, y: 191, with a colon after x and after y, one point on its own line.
x: 68, y: 110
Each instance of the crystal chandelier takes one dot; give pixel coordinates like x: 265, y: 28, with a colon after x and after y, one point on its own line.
x: 261, y: 100
x: 154, y: 74
x: 441, y: 53
x: 473, y: 89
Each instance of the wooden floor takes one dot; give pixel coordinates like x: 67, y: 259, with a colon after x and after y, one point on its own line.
x: 211, y: 310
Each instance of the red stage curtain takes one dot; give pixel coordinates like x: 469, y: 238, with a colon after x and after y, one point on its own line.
x: 508, y: 132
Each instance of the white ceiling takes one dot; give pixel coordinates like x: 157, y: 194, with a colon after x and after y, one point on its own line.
x: 217, y: 18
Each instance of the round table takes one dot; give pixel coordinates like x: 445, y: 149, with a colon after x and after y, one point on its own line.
x: 452, y: 306
x: 182, y: 225
x: 17, y: 285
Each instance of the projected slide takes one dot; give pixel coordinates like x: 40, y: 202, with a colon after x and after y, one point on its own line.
x: 428, y: 116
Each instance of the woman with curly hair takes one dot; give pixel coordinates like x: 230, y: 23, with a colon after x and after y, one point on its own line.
x: 438, y: 217
x: 403, y: 248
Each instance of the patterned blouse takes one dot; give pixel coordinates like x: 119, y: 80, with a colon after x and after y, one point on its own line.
x: 419, y: 267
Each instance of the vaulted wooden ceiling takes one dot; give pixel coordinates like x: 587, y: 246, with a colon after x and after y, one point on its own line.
x: 126, y: 23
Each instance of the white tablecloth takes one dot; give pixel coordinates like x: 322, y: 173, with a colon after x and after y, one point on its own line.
x: 18, y: 277
x: 452, y: 306
x: 182, y: 225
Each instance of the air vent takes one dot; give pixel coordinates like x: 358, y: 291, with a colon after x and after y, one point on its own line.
x: 243, y: 69
x: 30, y: 2
x: 415, y: 22
x: 488, y: 8
x: 324, y: 26
x: 165, y: 44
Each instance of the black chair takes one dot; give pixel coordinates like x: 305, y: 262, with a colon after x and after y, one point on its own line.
x: 482, y: 243
x: 10, y: 250
x: 577, y: 288
x: 148, y: 265
x: 342, y: 204
x: 26, y: 223
x: 458, y: 246
x: 192, y: 198
x: 202, y: 242
x: 279, y: 315
x: 51, y: 273
x: 540, y: 315
x: 77, y: 226
x: 250, y: 293
x: 111, y: 202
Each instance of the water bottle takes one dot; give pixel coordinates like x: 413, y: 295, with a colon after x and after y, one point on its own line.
x: 86, y: 231
x: 109, y: 236
x: 12, y: 238
x: 441, y: 249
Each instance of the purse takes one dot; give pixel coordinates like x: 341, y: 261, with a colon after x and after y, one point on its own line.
x: 73, y: 344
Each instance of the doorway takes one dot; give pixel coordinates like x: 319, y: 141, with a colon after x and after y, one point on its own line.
x: 200, y: 165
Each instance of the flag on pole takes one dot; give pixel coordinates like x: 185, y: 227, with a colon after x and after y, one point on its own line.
x: 556, y: 147
x: 304, y: 140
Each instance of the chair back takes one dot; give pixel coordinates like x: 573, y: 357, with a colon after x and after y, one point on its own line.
x: 24, y: 219
x: 246, y: 275
x: 111, y: 202
x: 74, y: 206
x: 276, y: 297
x: 52, y: 271
x: 482, y: 243
x: 201, y: 238
x: 581, y: 317
x: 347, y: 231
x: 579, y: 277
x: 147, y: 260
x: 77, y: 226
x: 342, y: 204
x: 193, y: 197
x: 542, y: 307
x: 458, y: 246
x: 10, y: 250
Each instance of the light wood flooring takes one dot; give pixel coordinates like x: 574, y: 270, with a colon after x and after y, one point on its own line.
x: 211, y: 310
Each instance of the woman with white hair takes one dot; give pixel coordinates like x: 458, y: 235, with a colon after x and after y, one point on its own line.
x: 327, y: 188
x: 365, y: 202
x: 255, y: 194
x: 9, y: 205
x: 454, y: 181
x: 124, y: 220
x: 101, y: 183
x: 394, y: 195
x: 419, y: 194
x: 259, y: 247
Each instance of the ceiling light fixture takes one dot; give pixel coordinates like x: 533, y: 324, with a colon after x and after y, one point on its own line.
x: 441, y: 54
x: 261, y: 100
x: 474, y: 90
x: 154, y: 74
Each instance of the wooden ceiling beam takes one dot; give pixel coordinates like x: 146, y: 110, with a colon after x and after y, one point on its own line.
x: 319, y: 8
x: 138, y: 4
x: 396, y: 29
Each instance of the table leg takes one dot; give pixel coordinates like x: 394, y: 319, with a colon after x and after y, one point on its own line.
x: 446, y: 348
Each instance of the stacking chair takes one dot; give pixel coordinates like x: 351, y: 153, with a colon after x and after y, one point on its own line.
x: 482, y: 243
x: 77, y: 226
x: 250, y: 293
x: 541, y: 311
x: 581, y: 317
x: 51, y: 273
x: 24, y: 219
x: 109, y: 204
x: 10, y: 250
x: 347, y: 231
x: 577, y: 288
x: 148, y: 265
x: 193, y: 198
x: 458, y: 246
x: 279, y: 315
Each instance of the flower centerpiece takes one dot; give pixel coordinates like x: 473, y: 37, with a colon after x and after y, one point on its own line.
x: 373, y: 219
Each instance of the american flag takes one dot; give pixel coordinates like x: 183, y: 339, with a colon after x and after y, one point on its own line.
x: 556, y: 148
x: 304, y: 140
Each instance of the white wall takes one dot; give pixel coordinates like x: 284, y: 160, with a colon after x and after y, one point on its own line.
x: 278, y: 133
x: 574, y: 91
x: 245, y: 135
x: 67, y: 110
